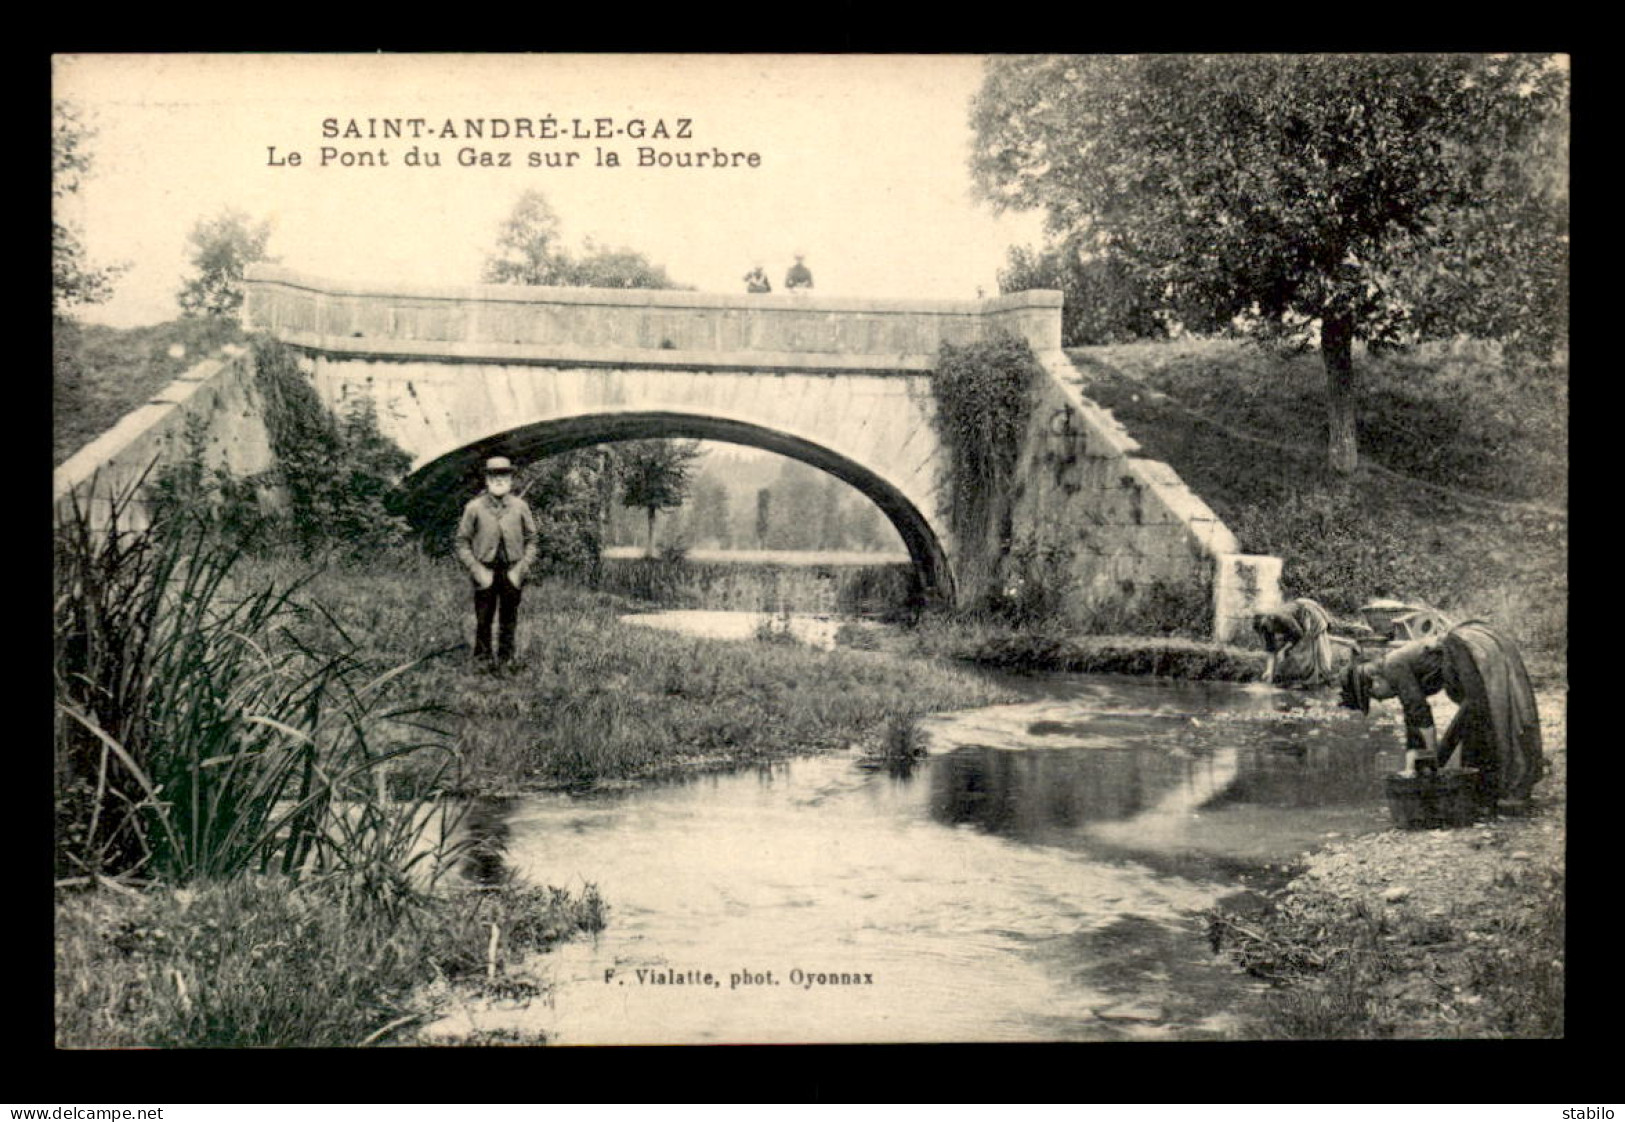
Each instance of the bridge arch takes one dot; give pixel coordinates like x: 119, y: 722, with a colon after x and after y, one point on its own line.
x: 436, y: 490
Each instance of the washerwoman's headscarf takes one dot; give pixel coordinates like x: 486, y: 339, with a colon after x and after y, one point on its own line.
x: 1356, y: 692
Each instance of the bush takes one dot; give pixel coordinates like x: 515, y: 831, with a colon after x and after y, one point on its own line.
x: 1035, y: 588
x: 901, y: 746
x: 984, y: 396
x: 1104, y: 302
x: 338, y: 473
x: 187, y: 495
x: 566, y: 494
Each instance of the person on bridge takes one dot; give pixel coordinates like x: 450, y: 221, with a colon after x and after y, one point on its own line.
x: 496, y: 543
x: 799, y: 275
x: 1496, y: 728
x: 756, y: 281
x: 1301, y: 648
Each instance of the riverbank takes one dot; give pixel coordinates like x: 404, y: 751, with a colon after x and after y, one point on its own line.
x: 593, y: 701
x: 1055, y: 649
x: 1422, y: 934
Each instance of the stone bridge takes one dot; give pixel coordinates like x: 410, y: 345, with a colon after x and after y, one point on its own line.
x: 456, y: 374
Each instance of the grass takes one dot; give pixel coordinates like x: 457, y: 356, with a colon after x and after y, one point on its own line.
x: 594, y: 699
x: 260, y: 958
x: 256, y: 688
x: 199, y: 736
x: 259, y: 961
x: 762, y: 585
x: 900, y: 748
x: 220, y: 745
x: 101, y: 373
x: 1029, y: 651
x: 1473, y: 947
x: 1460, y: 502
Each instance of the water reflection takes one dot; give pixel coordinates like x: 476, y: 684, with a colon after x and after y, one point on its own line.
x: 1034, y: 795
x: 1029, y: 795
x: 486, y: 828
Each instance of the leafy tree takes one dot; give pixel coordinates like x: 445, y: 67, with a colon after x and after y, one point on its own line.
x: 338, y: 472
x: 797, y: 507
x: 831, y: 533
x: 655, y: 476
x: 528, y: 247
x: 1311, y: 198
x: 221, y: 247
x: 871, y: 530
x: 709, y: 520
x: 1105, y: 302
x: 564, y: 492
x: 530, y: 251
x: 74, y: 280
x: 608, y: 267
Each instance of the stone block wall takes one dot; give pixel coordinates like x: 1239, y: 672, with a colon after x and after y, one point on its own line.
x: 1126, y: 527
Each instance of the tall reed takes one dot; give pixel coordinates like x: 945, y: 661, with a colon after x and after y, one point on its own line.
x: 205, y: 728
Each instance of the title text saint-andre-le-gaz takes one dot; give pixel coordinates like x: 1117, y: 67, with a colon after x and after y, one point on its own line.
x: 507, y: 128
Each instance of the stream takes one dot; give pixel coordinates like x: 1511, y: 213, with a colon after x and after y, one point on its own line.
x: 1040, y: 876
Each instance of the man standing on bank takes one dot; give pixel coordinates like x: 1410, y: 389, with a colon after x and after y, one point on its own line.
x: 496, y: 542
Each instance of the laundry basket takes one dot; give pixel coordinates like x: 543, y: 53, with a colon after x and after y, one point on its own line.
x: 1433, y: 801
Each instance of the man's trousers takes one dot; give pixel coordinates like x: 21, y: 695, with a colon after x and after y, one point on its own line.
x: 501, y: 602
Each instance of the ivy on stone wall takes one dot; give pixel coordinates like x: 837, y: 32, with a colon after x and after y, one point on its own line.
x: 187, y: 495
x: 336, y: 472
x: 984, y: 395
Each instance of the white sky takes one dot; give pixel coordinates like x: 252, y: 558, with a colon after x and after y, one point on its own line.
x: 863, y: 167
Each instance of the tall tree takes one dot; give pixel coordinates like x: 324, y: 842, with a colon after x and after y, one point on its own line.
x: 221, y: 248
x: 528, y: 248
x: 74, y: 280
x: 1104, y: 301
x: 764, y: 515
x: 1323, y: 198
x: 709, y: 521
x: 655, y: 476
x: 831, y: 533
x: 599, y: 266
x: 566, y: 492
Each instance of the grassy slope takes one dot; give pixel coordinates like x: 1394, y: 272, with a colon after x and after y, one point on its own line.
x: 1461, y: 500
x: 101, y: 373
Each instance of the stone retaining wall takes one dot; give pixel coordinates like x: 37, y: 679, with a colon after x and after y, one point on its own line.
x: 1127, y: 527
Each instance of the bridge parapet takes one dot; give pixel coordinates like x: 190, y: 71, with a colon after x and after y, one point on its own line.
x: 618, y: 327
